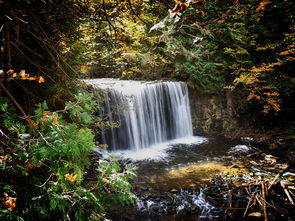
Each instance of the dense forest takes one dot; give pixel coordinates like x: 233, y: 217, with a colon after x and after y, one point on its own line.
x: 48, y: 117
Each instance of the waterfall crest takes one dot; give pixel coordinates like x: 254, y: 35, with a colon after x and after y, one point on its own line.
x: 147, y: 112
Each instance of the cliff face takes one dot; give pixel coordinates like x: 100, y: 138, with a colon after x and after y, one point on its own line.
x: 213, y: 114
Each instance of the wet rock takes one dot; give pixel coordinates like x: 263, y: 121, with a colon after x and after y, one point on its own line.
x: 145, y: 196
x: 155, y: 208
x: 144, y: 188
x: 124, y: 162
x: 130, y: 218
x: 101, y: 154
x: 174, y: 190
x: 270, y: 158
x: 235, y: 166
x: 171, y: 210
x: 193, y: 209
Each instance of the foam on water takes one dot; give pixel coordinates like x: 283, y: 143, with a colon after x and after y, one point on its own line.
x: 240, y: 148
x: 158, y: 152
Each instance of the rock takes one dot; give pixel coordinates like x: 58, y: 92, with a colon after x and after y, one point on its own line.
x: 171, y: 210
x: 253, y: 162
x: 146, y: 196
x: 102, y: 154
x: 193, y: 209
x: 270, y: 158
x: 144, y: 188
x: 174, y: 190
x: 129, y: 218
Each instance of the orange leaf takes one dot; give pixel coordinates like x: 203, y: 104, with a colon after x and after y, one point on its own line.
x: 54, y: 118
x: 29, y: 166
x: 10, y: 71
x: 10, y: 202
x: 70, y: 177
x: 31, y: 122
x: 41, y: 80
x: 46, y: 113
x: 262, y: 6
x: 179, y: 6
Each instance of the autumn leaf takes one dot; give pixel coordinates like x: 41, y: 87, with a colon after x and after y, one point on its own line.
x: 23, y: 75
x: 54, y: 118
x: 10, y: 202
x: 45, y: 115
x: 29, y: 166
x: 70, y: 177
x: 262, y: 6
x: 10, y: 71
x: 41, y: 80
x: 32, y: 78
x: 196, y: 2
x: 256, y: 214
x: 31, y: 122
x: 3, y: 159
x: 179, y: 6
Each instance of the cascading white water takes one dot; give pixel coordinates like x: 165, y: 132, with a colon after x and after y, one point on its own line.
x: 147, y: 112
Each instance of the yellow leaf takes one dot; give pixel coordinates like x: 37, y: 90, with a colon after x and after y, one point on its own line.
x: 32, y: 78
x: 10, y: 71
x: 41, y: 80
x: 256, y: 214
x: 70, y: 177
x: 54, y: 118
x: 3, y: 158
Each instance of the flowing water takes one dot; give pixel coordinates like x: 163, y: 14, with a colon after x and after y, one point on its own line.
x: 156, y: 135
x: 172, y: 181
x: 149, y: 113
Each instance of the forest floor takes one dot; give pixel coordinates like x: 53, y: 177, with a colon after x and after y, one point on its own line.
x: 267, y: 190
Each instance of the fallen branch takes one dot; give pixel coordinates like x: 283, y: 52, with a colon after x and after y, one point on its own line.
x: 264, y: 201
x: 284, y: 184
x: 274, y: 181
x: 230, y: 196
x: 248, y: 205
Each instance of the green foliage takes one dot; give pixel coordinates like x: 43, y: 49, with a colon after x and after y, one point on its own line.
x: 218, y: 44
x: 49, y: 164
x: 82, y: 108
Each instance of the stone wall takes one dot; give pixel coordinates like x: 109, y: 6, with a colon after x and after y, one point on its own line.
x: 212, y: 114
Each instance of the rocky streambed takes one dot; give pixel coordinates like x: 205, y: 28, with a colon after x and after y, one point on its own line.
x: 209, y: 179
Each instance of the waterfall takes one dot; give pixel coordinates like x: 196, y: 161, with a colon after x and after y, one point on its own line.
x: 148, y: 113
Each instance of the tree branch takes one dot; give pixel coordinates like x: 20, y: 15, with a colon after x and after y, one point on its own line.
x: 13, y: 100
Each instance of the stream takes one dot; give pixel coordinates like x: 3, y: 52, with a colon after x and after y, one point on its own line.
x: 172, y: 178
x: 177, y: 173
